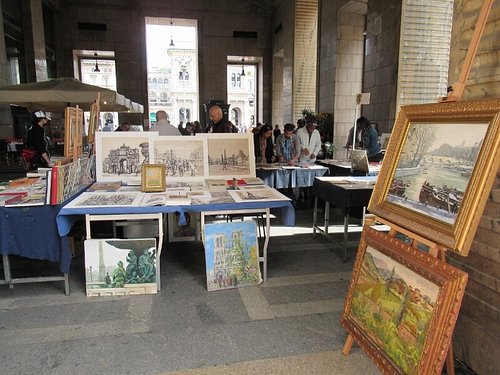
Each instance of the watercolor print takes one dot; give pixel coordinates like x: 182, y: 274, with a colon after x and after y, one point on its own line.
x: 120, y: 267
x: 232, y: 255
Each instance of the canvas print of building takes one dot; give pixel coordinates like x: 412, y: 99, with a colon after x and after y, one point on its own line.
x: 120, y: 155
x: 120, y: 267
x: 232, y: 255
x: 231, y: 155
x: 396, y: 305
x: 183, y: 157
x: 434, y: 168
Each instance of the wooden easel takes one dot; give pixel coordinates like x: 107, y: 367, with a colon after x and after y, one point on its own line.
x: 457, y: 89
x: 78, y: 135
x: 435, y: 250
x: 95, y: 110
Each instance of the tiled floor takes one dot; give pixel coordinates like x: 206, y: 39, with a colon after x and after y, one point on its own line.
x: 287, y: 325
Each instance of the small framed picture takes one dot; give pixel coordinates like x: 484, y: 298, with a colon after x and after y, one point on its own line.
x: 153, y: 178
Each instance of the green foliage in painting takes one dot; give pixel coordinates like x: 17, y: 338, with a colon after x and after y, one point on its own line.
x: 119, y: 275
x: 141, y: 270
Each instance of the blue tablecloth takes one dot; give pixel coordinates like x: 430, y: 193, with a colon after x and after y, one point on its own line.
x: 32, y: 232
x: 282, y: 178
x: 67, y: 216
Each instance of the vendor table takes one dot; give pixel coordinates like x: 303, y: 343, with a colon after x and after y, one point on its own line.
x: 31, y: 232
x: 282, y: 177
x: 343, y: 168
x: 67, y: 216
x: 345, y: 193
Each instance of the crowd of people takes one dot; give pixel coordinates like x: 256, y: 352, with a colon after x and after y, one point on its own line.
x: 296, y: 144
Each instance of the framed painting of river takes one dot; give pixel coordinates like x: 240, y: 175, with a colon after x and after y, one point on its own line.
x: 402, y: 305
x: 438, y: 170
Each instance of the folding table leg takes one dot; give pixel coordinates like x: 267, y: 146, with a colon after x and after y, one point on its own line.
x: 346, y: 233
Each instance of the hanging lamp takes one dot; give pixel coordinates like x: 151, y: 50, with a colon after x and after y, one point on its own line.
x: 96, y: 69
x: 171, y: 38
x: 242, y: 67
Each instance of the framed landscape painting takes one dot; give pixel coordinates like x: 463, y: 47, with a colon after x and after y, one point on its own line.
x: 402, y: 305
x: 439, y: 169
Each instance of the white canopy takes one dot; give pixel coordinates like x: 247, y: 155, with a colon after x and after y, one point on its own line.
x: 56, y: 94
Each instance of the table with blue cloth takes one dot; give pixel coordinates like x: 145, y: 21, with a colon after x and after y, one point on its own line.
x: 283, y: 177
x: 282, y: 209
x: 31, y: 232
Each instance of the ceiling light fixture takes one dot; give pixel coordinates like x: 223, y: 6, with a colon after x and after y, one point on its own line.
x: 96, y: 69
x: 242, y: 67
x: 171, y: 38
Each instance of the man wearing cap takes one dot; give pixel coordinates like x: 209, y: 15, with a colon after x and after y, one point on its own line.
x: 38, y: 142
x: 310, y: 142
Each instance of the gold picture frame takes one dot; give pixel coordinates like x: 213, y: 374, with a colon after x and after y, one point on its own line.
x: 402, y: 305
x: 153, y: 178
x: 439, y: 169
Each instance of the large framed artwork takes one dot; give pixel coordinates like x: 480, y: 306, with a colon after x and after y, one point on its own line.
x: 120, y: 266
x: 183, y: 157
x: 231, y: 254
x: 438, y: 170
x: 230, y: 155
x: 120, y: 155
x: 402, y: 305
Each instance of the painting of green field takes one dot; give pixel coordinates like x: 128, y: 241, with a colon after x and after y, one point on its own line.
x: 396, y: 306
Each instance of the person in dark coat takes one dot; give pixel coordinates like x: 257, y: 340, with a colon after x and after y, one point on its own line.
x: 263, y: 145
x: 37, y: 141
x: 220, y: 124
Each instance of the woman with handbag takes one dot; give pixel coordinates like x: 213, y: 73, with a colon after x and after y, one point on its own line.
x: 37, y: 143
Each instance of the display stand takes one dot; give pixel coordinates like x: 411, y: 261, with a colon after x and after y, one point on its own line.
x: 457, y: 89
x: 414, y: 240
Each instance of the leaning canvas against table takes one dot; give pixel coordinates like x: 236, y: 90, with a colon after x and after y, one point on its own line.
x: 120, y: 267
x: 232, y: 255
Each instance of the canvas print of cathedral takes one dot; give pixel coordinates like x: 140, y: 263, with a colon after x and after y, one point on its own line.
x: 232, y: 255
x: 120, y: 267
